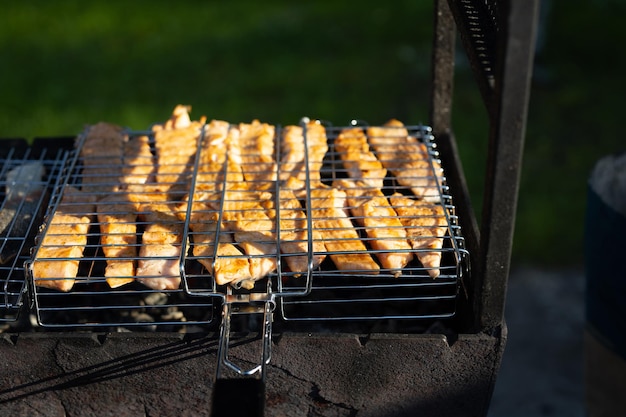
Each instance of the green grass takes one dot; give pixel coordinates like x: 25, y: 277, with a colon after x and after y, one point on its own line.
x: 71, y: 63
x: 131, y: 62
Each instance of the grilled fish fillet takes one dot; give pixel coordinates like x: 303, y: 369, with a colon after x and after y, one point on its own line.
x: 117, y: 217
x: 385, y: 232
x: 360, y: 163
x: 258, y: 154
x: 57, y: 259
x: 292, y: 152
x: 213, y: 155
x: 406, y: 158
x: 426, y: 225
x: 158, y: 265
x: 243, y: 214
x: 226, y: 263
x: 253, y: 229
x: 101, y: 154
x: 294, y: 232
x: 138, y: 163
x: 217, y: 166
x: 176, y: 143
x: 342, y: 241
x: 293, y: 167
x: 117, y: 212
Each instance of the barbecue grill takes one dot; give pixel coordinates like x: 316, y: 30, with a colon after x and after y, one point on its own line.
x: 328, y: 340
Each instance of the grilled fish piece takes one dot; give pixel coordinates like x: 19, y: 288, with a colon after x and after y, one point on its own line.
x: 138, y: 162
x: 426, y: 226
x: 226, y: 263
x: 213, y: 155
x: 253, y: 229
x: 101, y: 154
x: 243, y: 215
x: 292, y: 153
x: 360, y: 163
x: 57, y: 259
x: 117, y: 217
x: 294, y: 233
x: 220, y: 158
x: 342, y: 241
x: 293, y: 167
x: 385, y: 232
x: 406, y: 158
x: 258, y: 154
x: 117, y: 212
x: 158, y: 265
x: 176, y: 142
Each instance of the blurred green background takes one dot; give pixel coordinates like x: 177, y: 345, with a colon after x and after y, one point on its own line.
x: 71, y: 63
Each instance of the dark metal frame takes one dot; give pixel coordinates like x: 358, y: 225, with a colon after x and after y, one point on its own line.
x: 499, y: 39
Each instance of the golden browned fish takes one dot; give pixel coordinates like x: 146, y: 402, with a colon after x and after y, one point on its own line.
x: 253, y: 230
x: 406, y: 158
x: 294, y: 232
x: 176, y: 143
x: 210, y: 173
x: 360, y: 163
x: 257, y: 154
x: 138, y: 161
x: 243, y: 214
x: 101, y: 154
x: 226, y: 263
x: 386, y: 234
x: 293, y: 167
x: 158, y: 265
x: 56, y: 261
x: 342, y: 241
x: 117, y: 212
x: 117, y: 217
x: 426, y: 226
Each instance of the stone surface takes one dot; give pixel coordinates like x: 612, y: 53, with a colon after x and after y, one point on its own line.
x: 312, y: 375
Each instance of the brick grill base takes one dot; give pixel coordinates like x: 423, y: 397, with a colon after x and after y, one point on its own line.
x: 122, y: 374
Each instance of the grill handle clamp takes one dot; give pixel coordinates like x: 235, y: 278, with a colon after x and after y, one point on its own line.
x: 248, y: 382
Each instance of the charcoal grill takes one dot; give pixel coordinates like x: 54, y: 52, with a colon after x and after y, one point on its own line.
x: 326, y: 340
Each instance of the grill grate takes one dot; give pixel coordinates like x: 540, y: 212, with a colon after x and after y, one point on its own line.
x: 25, y: 181
x: 271, y: 197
